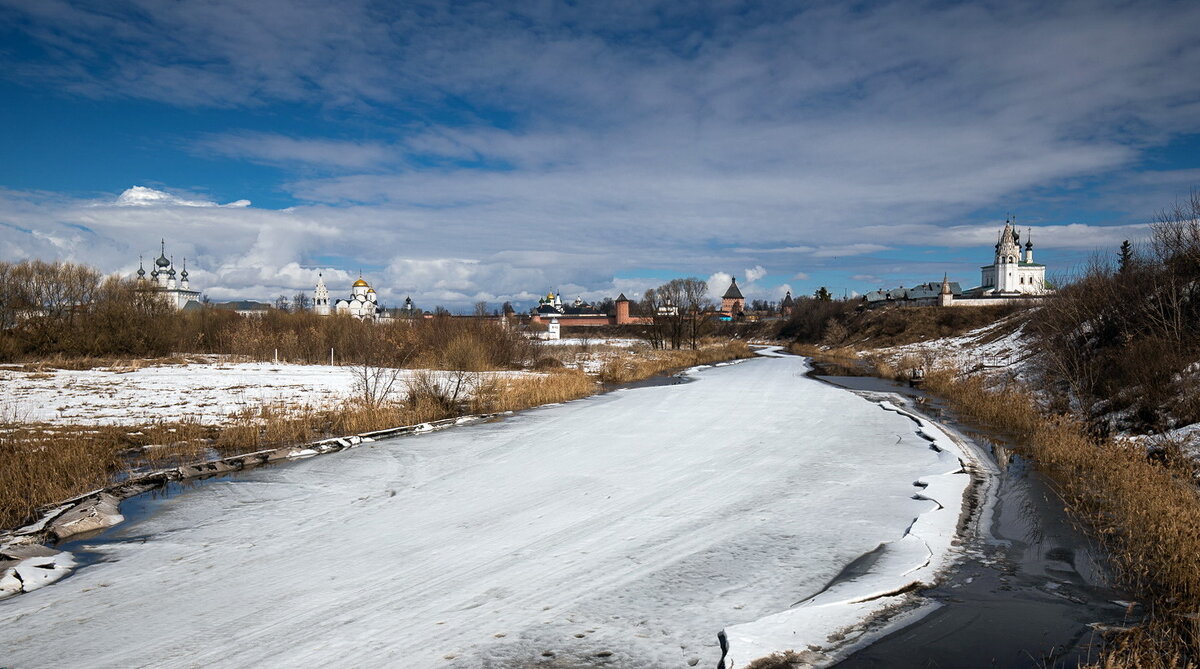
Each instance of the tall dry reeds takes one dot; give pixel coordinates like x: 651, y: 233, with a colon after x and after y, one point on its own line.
x: 1144, y: 510
x: 643, y: 365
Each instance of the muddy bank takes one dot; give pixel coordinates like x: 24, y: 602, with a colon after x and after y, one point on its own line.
x: 1031, y: 586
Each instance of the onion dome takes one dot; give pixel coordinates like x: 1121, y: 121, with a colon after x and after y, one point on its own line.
x: 162, y: 257
x: 360, y: 283
x: 153, y: 274
x: 171, y: 273
x: 370, y: 290
x: 141, y: 270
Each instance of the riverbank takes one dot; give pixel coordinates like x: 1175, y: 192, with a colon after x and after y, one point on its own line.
x: 1030, y: 590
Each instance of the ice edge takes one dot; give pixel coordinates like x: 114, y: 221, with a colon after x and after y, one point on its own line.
x: 829, y: 625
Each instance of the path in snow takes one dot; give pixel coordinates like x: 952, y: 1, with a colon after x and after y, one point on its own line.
x: 638, y: 523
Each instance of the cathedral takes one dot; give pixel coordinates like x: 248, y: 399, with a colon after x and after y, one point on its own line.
x: 163, y: 282
x: 1013, y: 272
x: 362, y: 304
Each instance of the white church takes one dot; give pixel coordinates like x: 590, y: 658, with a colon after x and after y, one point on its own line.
x: 163, y: 281
x: 362, y: 304
x: 1012, y: 273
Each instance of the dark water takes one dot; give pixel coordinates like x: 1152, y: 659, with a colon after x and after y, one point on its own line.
x: 1028, y: 588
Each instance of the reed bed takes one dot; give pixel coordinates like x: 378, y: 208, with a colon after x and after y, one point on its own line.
x: 1142, y: 507
x: 645, y: 364
x: 515, y: 393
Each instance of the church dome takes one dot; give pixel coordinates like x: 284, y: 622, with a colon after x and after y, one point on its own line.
x: 370, y: 290
x: 360, y: 283
x: 162, y: 261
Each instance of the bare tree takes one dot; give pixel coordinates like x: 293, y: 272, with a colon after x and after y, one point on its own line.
x: 679, y: 310
x: 301, y: 302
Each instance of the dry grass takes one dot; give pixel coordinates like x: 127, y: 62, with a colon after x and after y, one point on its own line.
x: 515, y: 393
x: 644, y: 364
x: 1144, y: 510
x: 785, y: 660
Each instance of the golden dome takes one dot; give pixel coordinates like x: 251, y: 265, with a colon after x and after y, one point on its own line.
x: 360, y: 283
x: 370, y: 290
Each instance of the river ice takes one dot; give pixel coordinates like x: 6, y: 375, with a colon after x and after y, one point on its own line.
x: 623, y: 530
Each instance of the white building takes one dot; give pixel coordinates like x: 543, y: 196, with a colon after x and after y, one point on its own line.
x: 362, y: 304
x: 163, y: 282
x: 1012, y: 273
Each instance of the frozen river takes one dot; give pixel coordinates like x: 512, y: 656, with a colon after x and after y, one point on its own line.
x: 622, y: 530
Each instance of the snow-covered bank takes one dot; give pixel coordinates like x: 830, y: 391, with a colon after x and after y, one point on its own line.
x: 631, y: 526
x: 201, y: 392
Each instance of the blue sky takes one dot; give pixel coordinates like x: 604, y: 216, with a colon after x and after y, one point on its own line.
x: 458, y: 151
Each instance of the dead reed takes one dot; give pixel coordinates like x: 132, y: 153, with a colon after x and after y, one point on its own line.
x: 515, y: 393
x: 644, y: 364
x: 1144, y: 510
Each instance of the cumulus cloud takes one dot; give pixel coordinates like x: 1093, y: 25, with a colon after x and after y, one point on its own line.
x: 718, y: 283
x: 141, y: 196
x: 755, y: 273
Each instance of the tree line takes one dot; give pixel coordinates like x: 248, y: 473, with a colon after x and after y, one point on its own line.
x: 70, y: 310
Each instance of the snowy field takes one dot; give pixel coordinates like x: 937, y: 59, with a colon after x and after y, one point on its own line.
x: 621, y: 530
x: 201, y: 392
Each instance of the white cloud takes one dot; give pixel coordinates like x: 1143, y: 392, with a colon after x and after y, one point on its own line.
x: 755, y: 273
x: 141, y: 196
x: 718, y: 283
x: 848, y: 250
x: 274, y: 149
x: 801, y: 276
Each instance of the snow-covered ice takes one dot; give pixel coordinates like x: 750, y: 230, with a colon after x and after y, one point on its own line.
x: 632, y: 526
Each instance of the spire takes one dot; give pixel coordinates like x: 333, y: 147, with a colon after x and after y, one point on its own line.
x: 183, y: 274
x: 733, y: 293
x: 1028, y: 239
x: 946, y: 285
